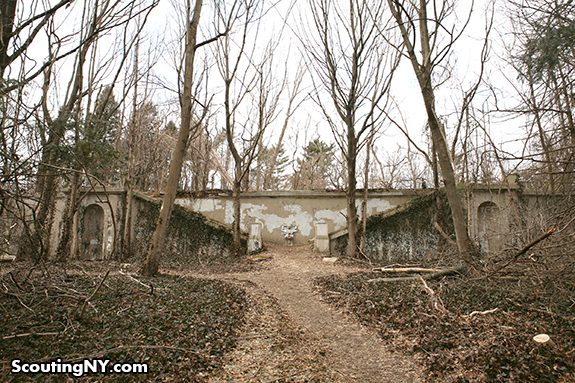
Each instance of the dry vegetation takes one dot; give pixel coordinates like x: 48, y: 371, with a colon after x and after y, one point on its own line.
x: 181, y: 327
x: 485, y: 333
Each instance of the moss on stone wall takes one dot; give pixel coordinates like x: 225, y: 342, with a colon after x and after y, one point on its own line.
x: 191, y: 239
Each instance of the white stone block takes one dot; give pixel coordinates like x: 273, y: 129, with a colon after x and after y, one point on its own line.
x: 321, y: 241
x: 255, y: 240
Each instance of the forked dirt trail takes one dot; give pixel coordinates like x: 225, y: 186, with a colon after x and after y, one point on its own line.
x: 293, y: 336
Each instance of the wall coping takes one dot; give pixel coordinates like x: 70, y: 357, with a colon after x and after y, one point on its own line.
x: 310, y: 194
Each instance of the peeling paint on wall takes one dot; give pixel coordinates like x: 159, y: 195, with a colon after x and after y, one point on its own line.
x: 377, y: 205
x: 337, y: 217
x: 304, y: 209
x: 202, y: 204
x: 271, y: 222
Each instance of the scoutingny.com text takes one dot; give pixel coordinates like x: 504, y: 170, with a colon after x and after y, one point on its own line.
x: 77, y: 369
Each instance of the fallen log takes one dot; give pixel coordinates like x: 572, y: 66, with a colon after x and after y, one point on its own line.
x: 431, y: 274
x: 471, y: 315
x: 407, y: 270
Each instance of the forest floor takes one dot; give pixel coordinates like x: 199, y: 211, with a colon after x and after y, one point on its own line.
x: 292, y: 335
x: 285, y: 316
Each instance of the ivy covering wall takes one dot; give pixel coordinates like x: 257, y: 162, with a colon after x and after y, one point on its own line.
x: 191, y: 240
x: 407, y: 233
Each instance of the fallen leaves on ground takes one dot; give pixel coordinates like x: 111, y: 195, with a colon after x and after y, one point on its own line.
x: 494, y: 347
x: 182, y: 329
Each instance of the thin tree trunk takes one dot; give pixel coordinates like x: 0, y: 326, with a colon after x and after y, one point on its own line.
x: 365, y: 192
x: 152, y: 262
x: 237, y: 238
x: 542, y: 138
x: 276, y: 150
x: 127, y: 240
x: 64, y: 247
x: 351, y: 192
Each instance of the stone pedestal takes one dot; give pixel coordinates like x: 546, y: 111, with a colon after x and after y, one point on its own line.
x: 321, y: 241
x: 255, y: 239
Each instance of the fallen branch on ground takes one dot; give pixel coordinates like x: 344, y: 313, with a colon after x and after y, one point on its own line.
x: 526, y: 249
x: 436, y: 302
x: 86, y: 301
x: 432, y: 274
x: 29, y: 334
x: 150, y: 286
x: 471, y: 315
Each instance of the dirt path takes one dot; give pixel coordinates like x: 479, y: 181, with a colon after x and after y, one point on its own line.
x: 293, y: 336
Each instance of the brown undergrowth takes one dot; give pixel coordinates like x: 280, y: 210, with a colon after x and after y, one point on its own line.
x: 491, y: 347
x: 180, y: 326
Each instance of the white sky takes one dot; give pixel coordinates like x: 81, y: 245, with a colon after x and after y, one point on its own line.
x: 163, y: 29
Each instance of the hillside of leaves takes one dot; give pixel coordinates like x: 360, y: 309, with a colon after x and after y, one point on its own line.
x: 458, y: 347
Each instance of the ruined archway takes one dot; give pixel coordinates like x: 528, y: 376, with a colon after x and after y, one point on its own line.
x: 489, y: 227
x: 92, y: 243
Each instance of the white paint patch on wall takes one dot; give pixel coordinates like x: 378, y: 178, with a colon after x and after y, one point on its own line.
x: 336, y: 216
x: 272, y: 221
x: 229, y: 217
x: 374, y: 206
x: 378, y: 205
x: 204, y: 205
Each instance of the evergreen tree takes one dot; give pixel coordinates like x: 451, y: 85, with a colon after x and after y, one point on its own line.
x: 316, y: 169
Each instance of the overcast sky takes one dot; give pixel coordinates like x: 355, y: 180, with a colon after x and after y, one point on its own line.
x: 161, y: 46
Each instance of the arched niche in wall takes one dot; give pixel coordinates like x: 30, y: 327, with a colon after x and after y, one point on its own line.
x: 489, y: 227
x: 92, y: 242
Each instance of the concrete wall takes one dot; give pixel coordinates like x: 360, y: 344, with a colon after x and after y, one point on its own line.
x: 111, y: 202
x: 489, y: 208
x: 489, y: 213
x: 303, y: 208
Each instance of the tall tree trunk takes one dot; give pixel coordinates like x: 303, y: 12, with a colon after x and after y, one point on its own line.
x: 466, y: 249
x: 366, y: 191
x: 7, y: 15
x: 237, y: 239
x: 133, y: 129
x: 351, y: 191
x: 152, y: 262
x: 423, y: 71
x: 64, y: 247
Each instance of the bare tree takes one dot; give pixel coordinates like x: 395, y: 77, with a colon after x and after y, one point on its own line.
x: 97, y: 18
x: 245, y: 79
x: 17, y: 35
x: 354, y: 67
x: 291, y: 109
x: 413, y: 21
x: 542, y: 56
x: 150, y: 266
